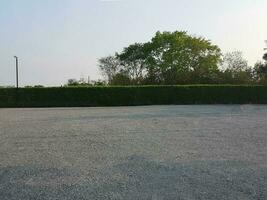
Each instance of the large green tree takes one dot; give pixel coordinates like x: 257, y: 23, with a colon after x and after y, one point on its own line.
x: 181, y: 58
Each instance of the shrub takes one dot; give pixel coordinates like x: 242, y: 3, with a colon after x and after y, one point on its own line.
x: 132, y: 96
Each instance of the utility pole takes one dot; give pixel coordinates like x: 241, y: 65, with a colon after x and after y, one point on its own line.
x: 17, y: 71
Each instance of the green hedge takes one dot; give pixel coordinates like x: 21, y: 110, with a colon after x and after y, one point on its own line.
x: 132, y: 96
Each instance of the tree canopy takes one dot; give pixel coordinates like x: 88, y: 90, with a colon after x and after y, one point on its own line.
x: 171, y: 58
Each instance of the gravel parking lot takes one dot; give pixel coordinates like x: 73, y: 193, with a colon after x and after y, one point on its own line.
x: 154, y: 152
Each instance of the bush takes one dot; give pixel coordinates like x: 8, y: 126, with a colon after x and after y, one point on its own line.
x: 132, y: 96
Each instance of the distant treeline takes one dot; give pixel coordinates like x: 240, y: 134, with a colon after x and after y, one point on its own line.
x: 175, y: 58
x: 132, y: 96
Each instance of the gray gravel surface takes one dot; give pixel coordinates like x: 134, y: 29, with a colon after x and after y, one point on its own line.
x: 156, y: 152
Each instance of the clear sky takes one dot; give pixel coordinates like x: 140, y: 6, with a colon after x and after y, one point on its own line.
x: 61, y: 39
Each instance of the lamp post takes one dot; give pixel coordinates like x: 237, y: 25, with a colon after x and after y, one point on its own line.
x: 17, y: 71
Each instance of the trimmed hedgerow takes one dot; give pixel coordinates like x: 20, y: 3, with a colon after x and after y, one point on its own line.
x: 132, y: 96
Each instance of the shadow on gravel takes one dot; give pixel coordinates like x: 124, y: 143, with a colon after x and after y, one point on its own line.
x: 138, y: 178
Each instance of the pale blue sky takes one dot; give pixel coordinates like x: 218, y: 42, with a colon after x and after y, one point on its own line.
x: 61, y: 39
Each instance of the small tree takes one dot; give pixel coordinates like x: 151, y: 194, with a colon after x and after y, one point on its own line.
x: 109, y: 67
x: 234, y: 61
x: 134, y: 63
x: 235, y: 68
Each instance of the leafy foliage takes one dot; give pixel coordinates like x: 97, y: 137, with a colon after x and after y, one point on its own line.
x: 172, y: 58
x: 132, y: 95
x: 169, y: 58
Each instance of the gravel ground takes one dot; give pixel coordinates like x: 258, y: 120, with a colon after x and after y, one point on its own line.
x: 156, y: 152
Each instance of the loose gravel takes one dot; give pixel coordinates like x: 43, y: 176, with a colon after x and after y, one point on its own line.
x: 154, y: 152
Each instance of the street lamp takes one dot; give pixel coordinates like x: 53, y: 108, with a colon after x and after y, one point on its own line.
x: 17, y: 71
